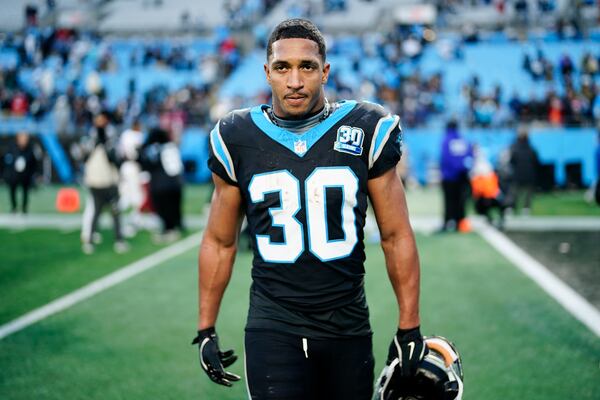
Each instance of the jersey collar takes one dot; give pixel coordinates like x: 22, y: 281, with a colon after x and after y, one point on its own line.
x: 300, y: 144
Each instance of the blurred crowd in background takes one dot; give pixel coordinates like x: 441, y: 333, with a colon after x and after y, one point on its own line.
x: 116, y: 93
x: 61, y: 85
x: 62, y: 73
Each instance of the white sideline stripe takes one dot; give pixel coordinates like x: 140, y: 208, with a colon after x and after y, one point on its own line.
x: 576, y: 305
x: 541, y: 224
x: 99, y: 285
x: 423, y: 222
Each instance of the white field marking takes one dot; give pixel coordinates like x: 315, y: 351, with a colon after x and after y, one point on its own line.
x: 426, y: 224
x: 100, y: 285
x: 572, y: 301
x: 542, y: 224
x: 74, y: 221
x: 421, y: 223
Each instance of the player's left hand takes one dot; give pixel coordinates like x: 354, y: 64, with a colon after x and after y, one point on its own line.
x: 408, y: 347
x: 213, y: 360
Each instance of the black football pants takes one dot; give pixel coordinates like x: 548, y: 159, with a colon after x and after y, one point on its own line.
x: 287, y: 367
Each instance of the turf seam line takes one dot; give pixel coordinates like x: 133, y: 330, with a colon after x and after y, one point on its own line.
x: 99, y: 285
x: 572, y: 301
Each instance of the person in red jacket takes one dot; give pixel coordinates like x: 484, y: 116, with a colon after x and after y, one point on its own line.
x: 485, y: 188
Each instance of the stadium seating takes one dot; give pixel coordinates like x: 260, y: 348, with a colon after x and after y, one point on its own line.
x: 248, y: 79
x: 496, y: 59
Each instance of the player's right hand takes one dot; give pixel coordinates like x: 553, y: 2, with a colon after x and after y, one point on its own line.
x: 213, y: 360
x: 409, y: 348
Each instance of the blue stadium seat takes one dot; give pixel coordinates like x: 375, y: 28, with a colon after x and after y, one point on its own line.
x: 9, y: 58
x: 248, y: 79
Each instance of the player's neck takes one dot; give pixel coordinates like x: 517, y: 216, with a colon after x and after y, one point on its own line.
x: 319, y: 110
x: 301, y: 125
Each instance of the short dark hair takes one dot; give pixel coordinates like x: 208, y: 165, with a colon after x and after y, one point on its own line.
x: 297, y: 28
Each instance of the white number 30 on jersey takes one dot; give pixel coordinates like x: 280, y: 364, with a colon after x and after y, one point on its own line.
x: 288, y: 187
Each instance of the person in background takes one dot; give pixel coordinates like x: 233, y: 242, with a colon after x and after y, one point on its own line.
x: 524, y: 162
x: 162, y: 159
x: 101, y: 176
x: 485, y: 188
x: 130, y: 188
x: 597, y: 154
x: 456, y: 160
x: 20, y: 166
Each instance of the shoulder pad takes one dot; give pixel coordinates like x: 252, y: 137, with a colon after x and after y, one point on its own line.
x: 235, y: 116
x: 377, y: 110
x: 230, y: 124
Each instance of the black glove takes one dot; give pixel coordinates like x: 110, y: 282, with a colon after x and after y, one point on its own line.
x: 408, y: 347
x: 213, y: 360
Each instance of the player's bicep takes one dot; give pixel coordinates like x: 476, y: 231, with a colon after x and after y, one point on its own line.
x: 225, y: 215
x: 389, y: 204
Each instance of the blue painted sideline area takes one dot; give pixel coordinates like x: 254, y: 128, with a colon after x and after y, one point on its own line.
x: 194, y: 148
x: 58, y: 156
x: 557, y: 147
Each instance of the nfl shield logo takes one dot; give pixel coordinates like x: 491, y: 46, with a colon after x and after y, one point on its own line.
x: 300, y: 146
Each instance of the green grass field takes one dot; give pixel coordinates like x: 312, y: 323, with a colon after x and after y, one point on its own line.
x: 423, y: 201
x: 42, y: 264
x: 133, y: 340
x: 42, y: 199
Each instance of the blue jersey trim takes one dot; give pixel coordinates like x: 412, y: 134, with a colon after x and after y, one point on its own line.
x: 381, y: 134
x: 290, y: 139
x: 221, y: 152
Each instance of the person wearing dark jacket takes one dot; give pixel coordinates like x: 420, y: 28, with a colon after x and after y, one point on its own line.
x: 524, y: 162
x: 456, y: 158
x: 162, y: 159
x: 597, y: 155
x: 20, y: 166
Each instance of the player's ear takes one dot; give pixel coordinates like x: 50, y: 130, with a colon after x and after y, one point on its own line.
x: 267, y: 73
x: 325, y: 73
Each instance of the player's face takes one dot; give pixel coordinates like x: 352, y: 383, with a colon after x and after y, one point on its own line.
x: 296, y: 73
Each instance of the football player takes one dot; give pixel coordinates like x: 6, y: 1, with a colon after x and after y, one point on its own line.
x: 302, y: 170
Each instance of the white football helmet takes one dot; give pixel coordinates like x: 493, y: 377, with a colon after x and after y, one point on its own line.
x: 439, y: 376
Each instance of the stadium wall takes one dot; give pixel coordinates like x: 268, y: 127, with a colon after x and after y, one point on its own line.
x: 557, y: 149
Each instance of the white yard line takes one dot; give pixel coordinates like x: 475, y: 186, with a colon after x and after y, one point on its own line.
x: 576, y: 305
x: 73, y: 221
x: 424, y: 223
x: 100, y: 285
x: 543, y: 224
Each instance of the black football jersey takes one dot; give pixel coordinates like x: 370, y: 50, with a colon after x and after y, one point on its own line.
x: 305, y: 198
